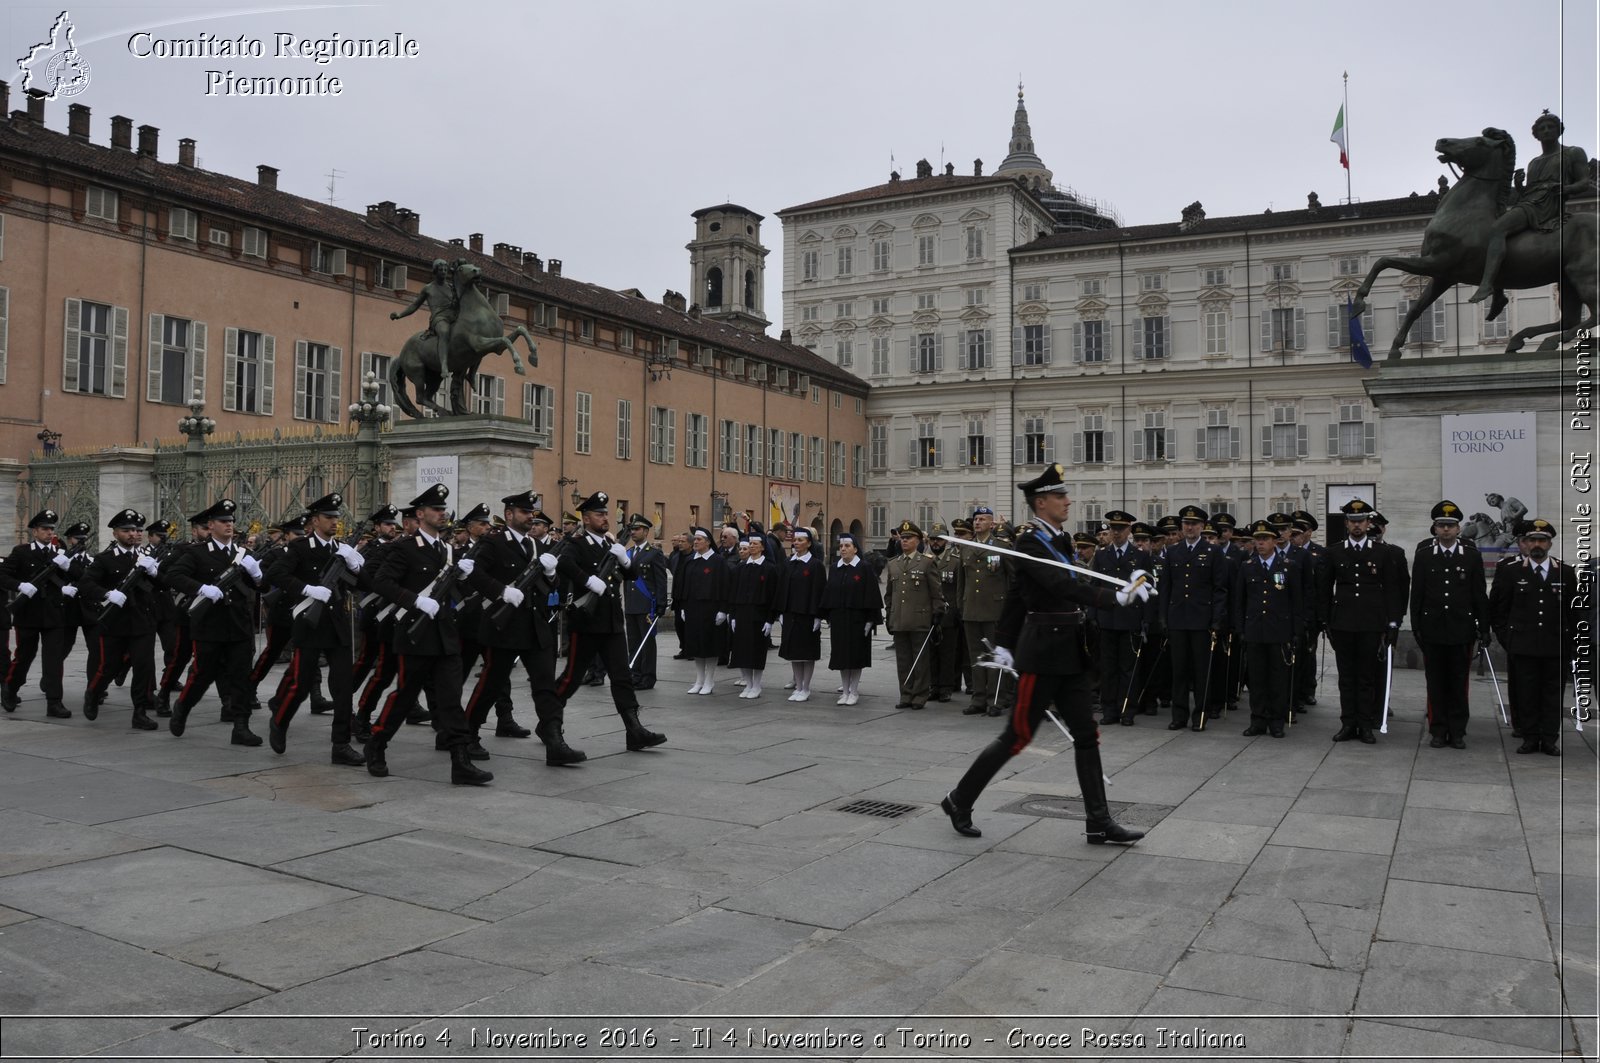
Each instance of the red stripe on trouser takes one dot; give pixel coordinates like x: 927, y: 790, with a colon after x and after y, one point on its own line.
x: 181, y: 651
x: 194, y: 671
x: 569, y: 677
x: 100, y: 670
x: 388, y: 705
x: 375, y: 684
x: 291, y: 679
x: 1021, y: 711
x: 477, y: 691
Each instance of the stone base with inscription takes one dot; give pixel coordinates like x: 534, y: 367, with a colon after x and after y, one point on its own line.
x: 481, y: 459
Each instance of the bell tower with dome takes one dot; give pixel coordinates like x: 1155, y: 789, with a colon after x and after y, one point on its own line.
x: 1072, y: 212
x: 727, y: 266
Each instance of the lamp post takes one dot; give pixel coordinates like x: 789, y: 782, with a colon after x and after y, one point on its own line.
x: 1305, y: 496
x: 196, y: 427
x: 49, y: 440
x: 568, y: 481
x: 369, y: 415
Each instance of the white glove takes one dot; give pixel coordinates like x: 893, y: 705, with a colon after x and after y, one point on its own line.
x: 117, y: 598
x: 548, y: 563
x: 816, y: 626
x: 1003, y: 658
x: 465, y: 566
x: 70, y: 591
x: 722, y: 618
x: 620, y: 552
x: 250, y: 565
x: 352, y: 557
x: 61, y: 561
x: 213, y: 593
x: 511, y: 596
x: 596, y: 584
x: 733, y: 624
x: 683, y: 618
x: 766, y: 629
x: 869, y: 628
x: 1141, y: 593
x: 427, y: 606
x: 147, y: 564
x: 320, y: 593
x: 27, y: 590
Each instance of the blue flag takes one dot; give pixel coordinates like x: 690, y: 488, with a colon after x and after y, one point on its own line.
x: 1359, y: 353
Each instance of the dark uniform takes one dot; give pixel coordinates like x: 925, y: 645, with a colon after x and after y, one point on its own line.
x: 1529, y: 611
x: 1450, y: 617
x: 803, y: 587
x: 1270, y: 604
x: 700, y: 602
x: 125, y: 577
x: 1043, y: 619
x: 183, y: 642
x: 322, y: 630
x: 519, y: 624
x: 1194, y: 605
x: 279, y: 621
x: 852, y: 606
x: 755, y: 592
x: 597, y: 633
x: 1123, y: 632
x: 945, y: 650
x: 224, y: 635
x: 644, y: 599
x: 1314, y: 557
x: 166, y: 612
x: 378, y: 663
x: 1231, y: 659
x: 39, y: 613
x: 1361, y: 600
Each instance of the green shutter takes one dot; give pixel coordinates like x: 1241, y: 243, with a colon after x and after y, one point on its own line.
x: 119, y: 352
x: 230, y: 367
x: 152, y: 389
x: 69, y: 346
x: 197, y: 359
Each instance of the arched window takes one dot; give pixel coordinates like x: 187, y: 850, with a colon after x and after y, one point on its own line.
x: 714, y: 286
x: 749, y: 287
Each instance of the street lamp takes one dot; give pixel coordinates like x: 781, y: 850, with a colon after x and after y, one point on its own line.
x: 568, y: 481
x: 1305, y: 495
x: 48, y: 439
x: 369, y: 410
x: 195, y: 426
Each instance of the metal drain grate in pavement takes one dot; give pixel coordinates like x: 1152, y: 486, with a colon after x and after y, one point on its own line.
x: 1128, y: 813
x: 881, y: 809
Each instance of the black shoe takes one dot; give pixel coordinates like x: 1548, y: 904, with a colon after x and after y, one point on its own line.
x: 242, y: 735
x: 960, y: 818
x: 902, y: 704
x: 1101, y: 831
x: 1126, y: 721
x: 321, y: 706
x: 419, y: 716
x: 1438, y: 742
x: 1365, y: 736
x: 1275, y: 732
x: 1176, y: 726
x: 639, y: 736
x: 1530, y: 745
x: 1458, y: 742
x: 91, y: 707
x: 1550, y: 749
x: 1308, y: 702
x: 557, y: 754
x: 995, y: 710
x: 58, y: 711
x: 348, y: 756
x: 597, y: 681
x: 142, y: 722
x: 475, y: 750
x: 164, y: 704
x: 510, y: 728
x: 277, y: 736
x: 376, y: 764
x: 1253, y: 730
x: 1346, y: 733
x: 9, y: 700
x: 973, y: 710
x: 101, y: 699
x: 465, y: 773
x: 1197, y: 726
x: 942, y: 697
x: 180, y: 717
x: 360, y: 729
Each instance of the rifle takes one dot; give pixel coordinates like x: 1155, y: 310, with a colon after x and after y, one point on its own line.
x: 443, y: 585
x: 588, y: 603
x: 336, y: 574
x: 500, y: 613
x: 230, y: 578
x: 131, y: 580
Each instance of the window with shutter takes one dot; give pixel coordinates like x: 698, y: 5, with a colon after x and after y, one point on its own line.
x: 254, y: 244
x: 583, y: 422
x: 5, y: 330
x: 624, y: 429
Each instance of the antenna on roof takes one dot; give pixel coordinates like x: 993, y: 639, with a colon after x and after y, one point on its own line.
x: 333, y: 178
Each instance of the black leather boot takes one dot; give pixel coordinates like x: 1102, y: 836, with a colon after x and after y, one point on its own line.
x: 242, y: 735
x: 508, y: 727
x: 142, y: 721
x: 91, y: 706
x: 57, y: 710
x: 348, y: 756
x: 377, y: 764
x: 556, y: 751
x: 1098, y: 826
x: 639, y: 736
x: 180, y: 719
x: 164, y: 704
x: 9, y: 700
x: 960, y: 818
x: 465, y: 773
x: 321, y: 706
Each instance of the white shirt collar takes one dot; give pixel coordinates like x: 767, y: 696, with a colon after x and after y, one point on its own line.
x: 427, y: 540
x: 708, y: 554
x: 756, y: 560
x: 852, y: 563
x: 516, y: 536
x: 803, y: 557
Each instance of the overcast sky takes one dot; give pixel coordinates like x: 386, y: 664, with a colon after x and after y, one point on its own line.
x: 589, y: 131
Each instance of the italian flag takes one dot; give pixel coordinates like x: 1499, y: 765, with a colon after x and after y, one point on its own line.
x: 1338, y: 138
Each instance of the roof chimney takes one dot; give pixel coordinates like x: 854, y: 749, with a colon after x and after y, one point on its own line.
x: 475, y: 241
x: 381, y: 212
x: 5, y: 100
x: 35, y: 106
x: 510, y: 254
x: 786, y: 336
x: 121, y: 132
x: 554, y: 267
x: 532, y: 263
x: 977, y: 167
x: 267, y: 177
x: 408, y: 220
x: 149, y: 135
x: 673, y: 301
x: 78, y: 121
x: 186, y: 153
x: 455, y: 241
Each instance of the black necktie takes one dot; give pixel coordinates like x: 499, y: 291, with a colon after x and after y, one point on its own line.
x: 527, y: 549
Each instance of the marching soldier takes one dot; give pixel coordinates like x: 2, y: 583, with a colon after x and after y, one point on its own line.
x: 518, y: 623
x: 644, y: 599
x: 1361, y: 601
x: 755, y: 592
x: 123, y: 576
x: 915, y: 601
x: 1123, y: 632
x: 323, y: 627
x: 183, y: 647
x: 1043, y: 619
x: 158, y: 537
x: 410, y: 573
x: 33, y: 571
x: 1450, y: 618
x: 385, y: 525
x: 225, y: 575
x: 595, y: 618
x: 1270, y: 604
x: 1528, y: 610
x: 280, y: 619
x: 1194, y: 603
x: 983, y: 589
x: 478, y: 523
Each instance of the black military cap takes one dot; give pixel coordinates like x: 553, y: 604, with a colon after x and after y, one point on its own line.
x: 541, y: 517
x: 1356, y: 508
x: 1141, y: 530
x: 528, y: 500
x: 78, y: 530
x: 409, y: 513
x: 437, y: 496
x: 908, y: 528
x: 961, y: 524
x: 1223, y: 522
x: 1263, y: 529
x: 1446, y: 512
x: 224, y: 509
x: 1280, y: 521
x: 595, y: 503
x: 1168, y: 523
x: 1119, y: 518
x: 1208, y: 529
x: 1052, y: 481
x: 639, y: 520
x: 477, y: 512
x: 1538, y: 528
x: 330, y: 505
x: 1193, y: 513
x: 164, y: 528
x: 385, y: 514
x: 1303, y: 517
x: 199, y: 520
x: 1379, y: 520
x: 128, y: 518
x: 293, y: 526
x: 45, y: 518
x: 1084, y: 539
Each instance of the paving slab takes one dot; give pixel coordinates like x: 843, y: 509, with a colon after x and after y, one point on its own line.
x: 1347, y: 834
x: 1128, y: 933
x: 1466, y: 918
x: 254, y: 831
x: 646, y: 838
x: 94, y: 797
x: 1388, y: 1042
x: 1282, y: 928
x: 1316, y: 988
x: 31, y: 841
x: 1009, y: 983
x: 712, y: 947
x: 1174, y: 1011
x: 1199, y: 884
x: 563, y: 877
x: 578, y: 989
x: 1225, y: 806
x: 1463, y: 848
x: 1364, y: 804
x: 716, y: 871
x: 495, y: 814
x: 1462, y: 796
x: 702, y: 799
x: 1569, y: 899
x: 1229, y: 843
x: 1011, y: 881
x: 1352, y: 879
x: 919, y: 926
x: 840, y: 889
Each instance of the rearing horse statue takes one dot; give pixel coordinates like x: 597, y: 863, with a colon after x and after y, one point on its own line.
x: 477, y: 331
x: 1457, y: 238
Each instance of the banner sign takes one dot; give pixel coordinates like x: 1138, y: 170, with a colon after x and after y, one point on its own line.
x: 1489, y: 468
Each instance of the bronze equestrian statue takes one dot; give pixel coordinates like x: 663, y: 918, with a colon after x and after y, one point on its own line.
x: 462, y: 321
x: 1493, y: 232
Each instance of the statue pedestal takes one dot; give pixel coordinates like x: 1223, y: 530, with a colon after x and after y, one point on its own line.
x: 481, y: 459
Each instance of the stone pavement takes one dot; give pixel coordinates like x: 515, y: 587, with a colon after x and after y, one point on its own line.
x: 1295, y: 899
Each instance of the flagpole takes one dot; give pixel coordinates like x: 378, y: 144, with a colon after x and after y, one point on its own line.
x: 1349, y: 197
